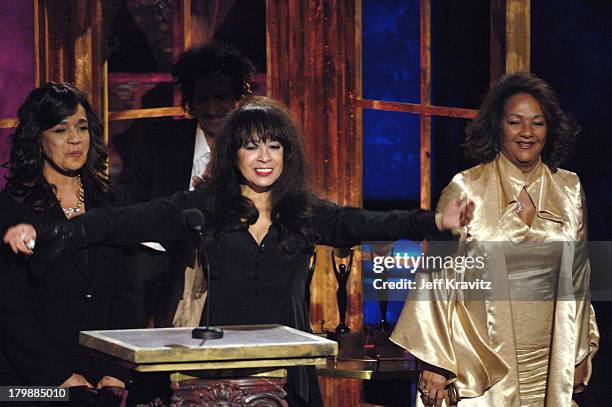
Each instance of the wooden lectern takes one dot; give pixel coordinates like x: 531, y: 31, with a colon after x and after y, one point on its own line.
x: 244, y: 368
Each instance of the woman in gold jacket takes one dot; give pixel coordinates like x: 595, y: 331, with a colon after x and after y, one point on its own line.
x: 528, y: 339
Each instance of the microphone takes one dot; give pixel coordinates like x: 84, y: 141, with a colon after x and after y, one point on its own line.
x: 194, y: 221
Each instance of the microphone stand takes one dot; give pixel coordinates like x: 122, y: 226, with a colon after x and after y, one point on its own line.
x: 205, y: 332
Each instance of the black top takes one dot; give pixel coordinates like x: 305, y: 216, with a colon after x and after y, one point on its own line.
x: 41, y: 314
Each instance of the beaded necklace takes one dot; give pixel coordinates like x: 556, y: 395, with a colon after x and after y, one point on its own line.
x: 71, y: 211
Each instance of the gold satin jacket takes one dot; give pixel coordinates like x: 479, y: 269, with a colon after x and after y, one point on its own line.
x: 470, y: 332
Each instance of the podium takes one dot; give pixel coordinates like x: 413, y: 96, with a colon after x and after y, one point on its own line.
x: 244, y: 368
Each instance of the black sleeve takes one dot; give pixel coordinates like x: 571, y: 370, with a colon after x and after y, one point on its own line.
x: 344, y: 226
x: 158, y: 220
x: 134, y: 184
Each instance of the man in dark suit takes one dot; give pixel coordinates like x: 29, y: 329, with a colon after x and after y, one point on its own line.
x: 172, y: 155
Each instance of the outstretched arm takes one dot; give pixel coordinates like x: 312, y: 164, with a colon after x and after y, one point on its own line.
x: 160, y: 219
x: 344, y: 226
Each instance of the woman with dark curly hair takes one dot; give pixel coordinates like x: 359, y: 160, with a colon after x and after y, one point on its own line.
x: 262, y: 225
x: 529, y: 337
x: 56, y: 172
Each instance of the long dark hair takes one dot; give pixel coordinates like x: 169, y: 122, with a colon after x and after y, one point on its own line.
x: 262, y: 119
x: 44, y: 108
x: 483, y: 134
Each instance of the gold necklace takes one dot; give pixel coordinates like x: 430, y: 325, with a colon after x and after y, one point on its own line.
x: 71, y: 211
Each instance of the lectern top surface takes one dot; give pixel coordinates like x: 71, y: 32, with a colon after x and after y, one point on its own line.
x: 233, y: 336
x: 176, y: 345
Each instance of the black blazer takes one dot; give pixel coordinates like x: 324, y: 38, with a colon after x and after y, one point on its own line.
x: 162, y: 158
x: 41, y: 315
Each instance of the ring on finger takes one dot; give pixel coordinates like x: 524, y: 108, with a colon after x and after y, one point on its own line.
x: 30, y: 244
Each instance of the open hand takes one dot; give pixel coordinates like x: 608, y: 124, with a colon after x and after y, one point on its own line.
x: 458, y: 214
x: 21, y: 238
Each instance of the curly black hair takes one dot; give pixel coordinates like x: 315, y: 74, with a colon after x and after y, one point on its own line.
x: 44, y: 108
x: 260, y: 118
x: 483, y: 134
x: 216, y: 57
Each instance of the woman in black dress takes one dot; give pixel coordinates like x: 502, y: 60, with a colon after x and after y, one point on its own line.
x: 262, y: 224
